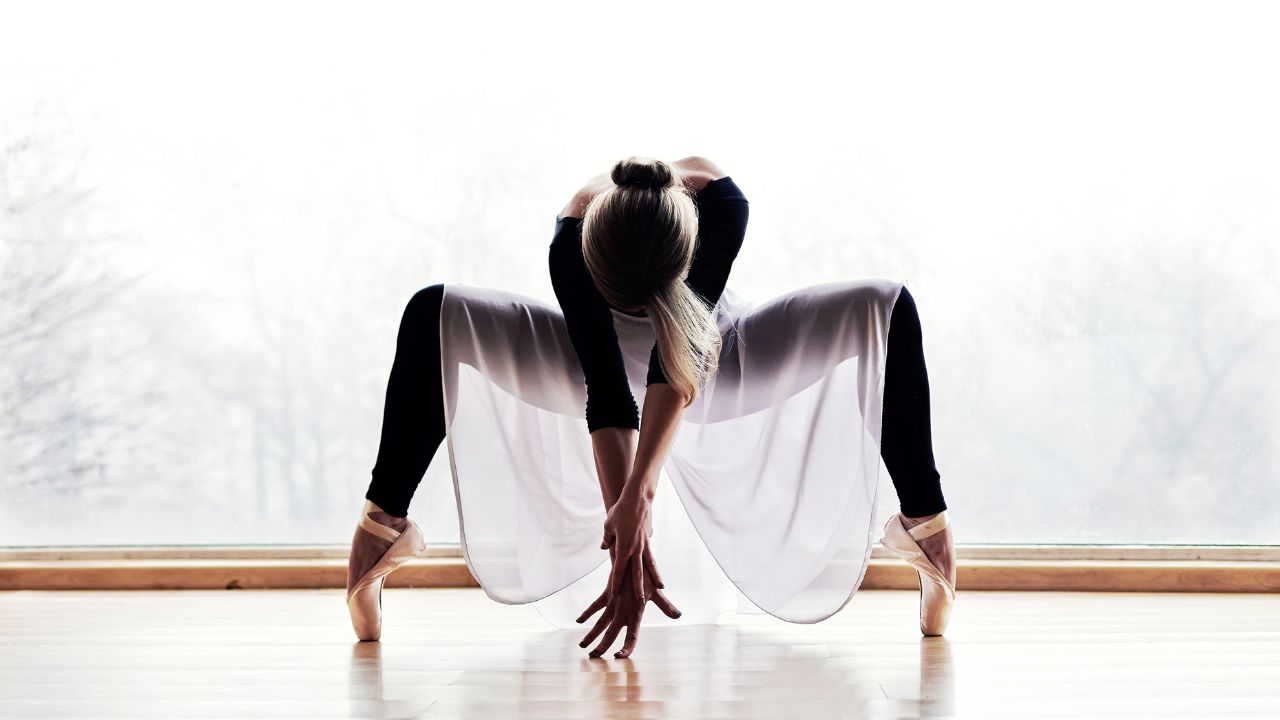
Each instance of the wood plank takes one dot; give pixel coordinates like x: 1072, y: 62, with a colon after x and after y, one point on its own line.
x: 966, y: 551
x: 882, y: 574
x: 452, y: 653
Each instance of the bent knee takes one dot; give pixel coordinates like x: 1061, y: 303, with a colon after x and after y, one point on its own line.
x: 905, y: 316
x: 426, y: 302
x: 905, y: 301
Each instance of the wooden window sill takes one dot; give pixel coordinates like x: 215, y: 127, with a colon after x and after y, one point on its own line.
x: 1050, y: 568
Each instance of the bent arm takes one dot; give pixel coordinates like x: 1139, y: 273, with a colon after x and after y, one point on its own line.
x: 612, y: 416
x: 589, y: 324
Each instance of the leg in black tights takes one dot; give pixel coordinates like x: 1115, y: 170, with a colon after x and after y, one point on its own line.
x: 905, y: 442
x: 413, y: 417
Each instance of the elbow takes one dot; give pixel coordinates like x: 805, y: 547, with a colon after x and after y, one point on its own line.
x: 701, y: 164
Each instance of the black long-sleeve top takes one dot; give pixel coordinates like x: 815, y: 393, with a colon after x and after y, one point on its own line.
x: 722, y: 225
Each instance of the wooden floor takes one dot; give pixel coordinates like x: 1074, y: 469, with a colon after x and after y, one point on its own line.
x: 455, y: 654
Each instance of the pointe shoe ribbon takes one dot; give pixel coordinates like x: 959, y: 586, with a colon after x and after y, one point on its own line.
x: 364, y: 600
x: 937, y: 594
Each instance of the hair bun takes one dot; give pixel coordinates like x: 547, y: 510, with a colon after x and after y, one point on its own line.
x: 648, y: 173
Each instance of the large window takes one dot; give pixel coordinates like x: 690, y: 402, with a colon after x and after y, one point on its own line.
x: 212, y: 216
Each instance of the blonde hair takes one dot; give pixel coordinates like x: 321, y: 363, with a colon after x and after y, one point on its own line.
x: 638, y: 239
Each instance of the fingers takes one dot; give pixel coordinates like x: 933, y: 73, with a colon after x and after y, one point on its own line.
x: 619, y: 571
x: 620, y: 612
x: 637, y: 579
x: 665, y: 605
x: 615, y: 627
x: 653, y: 568
x: 629, y: 643
x: 591, y: 609
x: 609, y: 540
x: 605, y: 619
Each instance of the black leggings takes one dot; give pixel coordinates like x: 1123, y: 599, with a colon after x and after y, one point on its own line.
x: 413, y: 417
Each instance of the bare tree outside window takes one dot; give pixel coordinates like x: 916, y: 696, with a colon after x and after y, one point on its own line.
x: 211, y: 220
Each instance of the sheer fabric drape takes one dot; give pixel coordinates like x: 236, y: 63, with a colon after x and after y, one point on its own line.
x: 771, y: 479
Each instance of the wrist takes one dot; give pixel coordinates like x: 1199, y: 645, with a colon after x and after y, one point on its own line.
x: 641, y: 487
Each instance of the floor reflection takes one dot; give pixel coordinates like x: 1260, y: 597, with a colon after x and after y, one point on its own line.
x: 768, y: 669
x: 937, y: 691
x: 365, y: 677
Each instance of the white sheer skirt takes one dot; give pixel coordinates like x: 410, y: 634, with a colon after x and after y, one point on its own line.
x: 769, y: 489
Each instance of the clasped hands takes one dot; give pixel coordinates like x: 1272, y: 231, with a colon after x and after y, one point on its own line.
x: 633, y: 579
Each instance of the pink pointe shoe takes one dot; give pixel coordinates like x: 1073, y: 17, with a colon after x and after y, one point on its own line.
x: 937, y: 594
x: 364, y: 600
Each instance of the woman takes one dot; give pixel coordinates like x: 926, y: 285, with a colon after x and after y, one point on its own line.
x: 776, y: 465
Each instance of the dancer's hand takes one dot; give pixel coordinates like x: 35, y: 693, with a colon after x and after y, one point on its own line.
x: 624, y: 609
x: 626, y: 532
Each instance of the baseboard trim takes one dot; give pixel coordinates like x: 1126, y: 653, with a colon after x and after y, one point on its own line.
x: 883, y: 573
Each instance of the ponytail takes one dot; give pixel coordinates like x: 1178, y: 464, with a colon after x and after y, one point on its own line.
x: 687, y: 337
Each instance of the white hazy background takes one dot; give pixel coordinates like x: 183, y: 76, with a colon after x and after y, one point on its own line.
x: 212, y: 214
